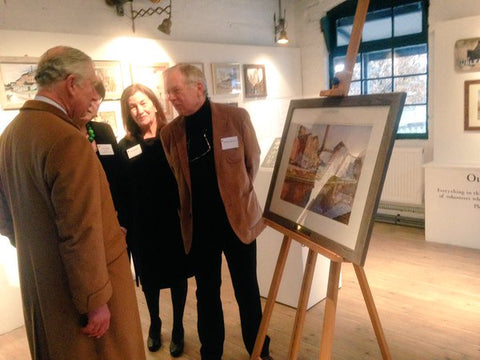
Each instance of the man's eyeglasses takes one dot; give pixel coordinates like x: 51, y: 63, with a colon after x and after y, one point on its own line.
x: 204, y: 148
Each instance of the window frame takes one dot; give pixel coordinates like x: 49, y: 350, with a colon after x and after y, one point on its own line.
x: 347, y: 9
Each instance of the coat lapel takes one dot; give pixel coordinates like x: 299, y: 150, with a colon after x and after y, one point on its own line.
x: 181, y: 145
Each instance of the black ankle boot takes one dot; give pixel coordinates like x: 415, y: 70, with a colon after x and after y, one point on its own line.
x: 178, y: 343
x: 154, y: 341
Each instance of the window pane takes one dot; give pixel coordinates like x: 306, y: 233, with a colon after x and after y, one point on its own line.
x: 414, y: 86
x: 378, y: 86
x: 410, y: 60
x: 378, y: 25
x: 413, y: 120
x: 344, y: 30
x: 378, y: 64
x: 339, y: 65
x: 355, y: 88
x: 407, y: 19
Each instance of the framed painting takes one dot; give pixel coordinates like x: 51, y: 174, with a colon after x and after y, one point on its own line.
x: 110, y: 72
x: 17, y: 81
x: 110, y: 112
x: 330, y: 168
x: 467, y: 54
x: 151, y: 75
x: 472, y: 105
x: 255, y: 80
x: 226, y: 78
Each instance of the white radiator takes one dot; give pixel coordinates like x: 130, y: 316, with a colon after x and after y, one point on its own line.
x: 402, y: 199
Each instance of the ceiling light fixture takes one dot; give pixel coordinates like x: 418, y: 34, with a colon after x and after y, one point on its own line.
x: 281, y: 26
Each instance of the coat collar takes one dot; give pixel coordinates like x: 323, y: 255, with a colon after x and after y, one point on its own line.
x: 43, y: 106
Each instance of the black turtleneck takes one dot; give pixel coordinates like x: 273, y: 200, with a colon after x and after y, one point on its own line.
x: 208, y: 208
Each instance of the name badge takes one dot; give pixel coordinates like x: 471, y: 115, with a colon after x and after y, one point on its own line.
x: 105, y: 149
x: 134, y: 151
x: 229, y: 142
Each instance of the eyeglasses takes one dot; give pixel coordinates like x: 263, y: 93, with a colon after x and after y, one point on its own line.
x: 206, y: 149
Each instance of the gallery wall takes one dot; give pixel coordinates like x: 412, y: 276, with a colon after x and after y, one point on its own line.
x: 452, y: 143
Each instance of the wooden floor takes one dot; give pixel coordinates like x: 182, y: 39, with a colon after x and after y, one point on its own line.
x: 427, y: 296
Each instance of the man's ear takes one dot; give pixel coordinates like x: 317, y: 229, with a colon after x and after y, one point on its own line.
x: 70, y: 82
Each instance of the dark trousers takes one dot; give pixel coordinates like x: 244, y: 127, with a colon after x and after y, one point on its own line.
x: 242, y: 264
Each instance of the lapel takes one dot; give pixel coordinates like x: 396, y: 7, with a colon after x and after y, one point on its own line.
x: 180, y: 140
x: 219, y: 129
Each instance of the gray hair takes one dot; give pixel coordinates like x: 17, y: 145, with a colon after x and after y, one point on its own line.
x: 59, y: 62
x: 191, y: 73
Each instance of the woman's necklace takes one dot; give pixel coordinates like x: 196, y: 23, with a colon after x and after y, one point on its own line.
x: 90, y: 132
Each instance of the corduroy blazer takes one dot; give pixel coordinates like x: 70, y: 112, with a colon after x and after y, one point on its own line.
x: 236, y: 168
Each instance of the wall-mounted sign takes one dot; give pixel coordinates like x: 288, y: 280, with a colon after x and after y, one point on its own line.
x: 467, y: 55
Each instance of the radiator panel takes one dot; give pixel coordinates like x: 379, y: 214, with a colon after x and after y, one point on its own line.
x: 404, y: 183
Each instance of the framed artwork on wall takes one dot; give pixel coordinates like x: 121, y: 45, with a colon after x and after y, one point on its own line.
x: 110, y: 72
x: 17, y: 81
x: 110, y: 112
x: 255, y: 80
x: 151, y: 75
x: 467, y: 54
x: 226, y: 78
x: 330, y: 168
x: 472, y: 105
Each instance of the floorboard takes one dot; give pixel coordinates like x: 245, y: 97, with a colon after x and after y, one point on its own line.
x: 427, y: 296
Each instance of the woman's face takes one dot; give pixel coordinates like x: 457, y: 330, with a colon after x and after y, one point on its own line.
x: 143, y: 110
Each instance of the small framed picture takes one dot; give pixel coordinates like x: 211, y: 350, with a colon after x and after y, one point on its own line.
x: 110, y: 112
x: 467, y: 55
x: 255, y: 80
x: 151, y: 75
x: 110, y: 72
x: 226, y: 78
x: 17, y: 81
x: 472, y: 105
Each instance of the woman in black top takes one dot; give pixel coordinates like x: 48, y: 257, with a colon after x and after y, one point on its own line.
x: 154, y: 235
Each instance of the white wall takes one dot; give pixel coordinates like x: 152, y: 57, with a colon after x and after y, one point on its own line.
x: 452, y: 144
x: 227, y: 21
x: 282, y: 66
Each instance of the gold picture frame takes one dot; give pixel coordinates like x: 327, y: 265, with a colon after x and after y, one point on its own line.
x: 472, y: 105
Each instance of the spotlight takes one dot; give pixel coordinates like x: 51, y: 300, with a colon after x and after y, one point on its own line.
x: 281, y: 26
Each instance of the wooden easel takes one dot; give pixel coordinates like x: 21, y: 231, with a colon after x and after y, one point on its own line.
x: 340, y: 88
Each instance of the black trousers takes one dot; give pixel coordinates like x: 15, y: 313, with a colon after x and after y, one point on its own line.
x: 242, y: 263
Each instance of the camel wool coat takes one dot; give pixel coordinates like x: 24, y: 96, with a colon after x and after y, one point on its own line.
x: 56, y: 208
x: 236, y: 168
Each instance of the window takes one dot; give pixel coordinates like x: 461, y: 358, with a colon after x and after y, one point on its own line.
x: 393, y: 55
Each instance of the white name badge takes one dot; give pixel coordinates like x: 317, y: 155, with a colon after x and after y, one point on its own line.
x: 229, y: 142
x: 105, y: 149
x: 134, y: 151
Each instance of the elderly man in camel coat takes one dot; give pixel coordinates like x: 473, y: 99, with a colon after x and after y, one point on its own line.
x: 55, y: 206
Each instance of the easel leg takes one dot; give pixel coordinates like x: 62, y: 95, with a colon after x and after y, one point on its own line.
x: 372, y: 311
x: 272, y: 296
x: 330, y: 311
x: 302, y: 304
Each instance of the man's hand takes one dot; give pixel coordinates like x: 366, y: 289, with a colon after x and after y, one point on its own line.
x: 98, y: 322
